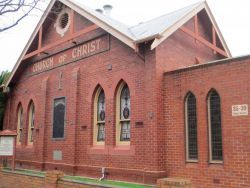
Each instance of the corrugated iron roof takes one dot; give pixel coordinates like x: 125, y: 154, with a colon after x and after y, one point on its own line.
x: 158, y: 25
x: 121, y: 27
x: 144, y: 30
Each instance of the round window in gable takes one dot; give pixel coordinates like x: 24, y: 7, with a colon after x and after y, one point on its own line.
x: 64, y: 19
x: 63, y: 22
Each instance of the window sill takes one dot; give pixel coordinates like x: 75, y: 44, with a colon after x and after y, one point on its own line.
x: 58, y: 139
x: 191, y: 161
x: 110, y: 150
x: 98, y: 150
x: 122, y: 150
x: 192, y: 165
x: 25, y: 147
x: 216, y: 162
x: 29, y: 146
x: 216, y: 165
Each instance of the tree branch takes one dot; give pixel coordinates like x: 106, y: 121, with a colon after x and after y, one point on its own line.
x: 15, y: 7
x: 4, y: 5
x: 21, y: 2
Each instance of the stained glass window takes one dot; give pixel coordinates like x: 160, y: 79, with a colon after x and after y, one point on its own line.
x: 191, y: 128
x: 215, y: 127
x: 31, y: 122
x: 101, y: 116
x: 125, y: 114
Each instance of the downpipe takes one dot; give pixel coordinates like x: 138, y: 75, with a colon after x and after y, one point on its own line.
x: 103, y: 174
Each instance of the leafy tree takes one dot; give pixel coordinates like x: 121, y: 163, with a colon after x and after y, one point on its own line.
x: 3, y: 98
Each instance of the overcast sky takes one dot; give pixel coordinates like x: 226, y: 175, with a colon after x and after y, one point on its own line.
x: 232, y: 17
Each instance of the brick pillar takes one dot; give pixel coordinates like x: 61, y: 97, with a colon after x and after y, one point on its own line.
x: 52, y: 177
x: 41, y: 143
x: 73, y: 115
x: 174, y: 183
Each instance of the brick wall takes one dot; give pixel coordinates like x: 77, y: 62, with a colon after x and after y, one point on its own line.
x: 53, y: 179
x: 11, y: 180
x: 146, y: 158
x: 231, y: 80
x: 178, y: 50
x: 79, y: 81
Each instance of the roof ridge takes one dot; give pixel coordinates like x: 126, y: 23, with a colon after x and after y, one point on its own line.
x: 89, y: 9
x: 153, y: 19
x: 108, y: 19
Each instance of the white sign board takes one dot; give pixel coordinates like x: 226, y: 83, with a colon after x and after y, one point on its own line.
x: 6, y: 145
x: 240, y: 110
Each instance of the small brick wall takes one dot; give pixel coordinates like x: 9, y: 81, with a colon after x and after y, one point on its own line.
x: 174, y: 183
x: 14, y: 180
x: 54, y: 179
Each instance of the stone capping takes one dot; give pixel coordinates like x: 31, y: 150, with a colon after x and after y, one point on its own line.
x: 238, y: 59
x: 174, y: 183
x: 22, y: 173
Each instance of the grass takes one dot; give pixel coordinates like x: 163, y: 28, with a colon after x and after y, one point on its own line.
x: 108, y: 183
x: 26, y: 172
x: 79, y: 179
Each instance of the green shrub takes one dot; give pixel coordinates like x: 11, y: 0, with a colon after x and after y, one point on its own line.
x: 3, y: 98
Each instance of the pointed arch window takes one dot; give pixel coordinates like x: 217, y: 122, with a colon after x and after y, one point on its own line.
x: 99, y: 117
x: 123, y: 115
x: 19, y: 124
x: 215, y: 130
x: 31, y: 123
x: 191, y: 128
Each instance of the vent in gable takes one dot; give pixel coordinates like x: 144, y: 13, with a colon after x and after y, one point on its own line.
x: 64, y: 19
x: 63, y: 22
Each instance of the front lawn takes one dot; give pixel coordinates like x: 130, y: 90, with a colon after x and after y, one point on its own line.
x: 84, y: 180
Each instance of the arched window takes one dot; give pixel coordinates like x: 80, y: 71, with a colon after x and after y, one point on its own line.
x: 19, y: 124
x: 31, y: 123
x: 215, y: 131
x: 123, y: 115
x: 191, y: 128
x: 99, y: 117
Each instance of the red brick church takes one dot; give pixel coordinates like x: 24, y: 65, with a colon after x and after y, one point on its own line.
x: 160, y: 99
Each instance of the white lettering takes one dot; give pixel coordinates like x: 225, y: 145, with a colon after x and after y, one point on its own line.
x: 240, y: 110
x: 86, y: 49
x: 47, y: 63
x: 92, y: 47
x: 62, y: 58
x: 98, y: 44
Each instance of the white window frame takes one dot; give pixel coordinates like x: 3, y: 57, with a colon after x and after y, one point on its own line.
x: 31, y: 124
x: 96, y: 122
x: 19, y: 123
x: 118, y: 118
